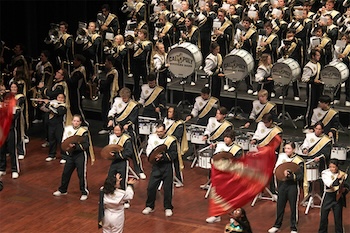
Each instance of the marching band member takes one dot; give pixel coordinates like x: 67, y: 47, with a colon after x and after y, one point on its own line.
x: 162, y: 169
x: 234, y: 149
x: 112, y: 197
x: 314, y: 87
x: 292, y: 47
x: 152, y: 98
x: 120, y: 52
x: 77, y: 158
x: 108, y: 22
x: 166, y: 34
x: 288, y: 189
x: 140, y: 12
x: 238, y: 222
x: 10, y: 145
x: 328, y: 9
x: 176, y: 127
x: 265, y: 131
x: 263, y: 75
x: 224, y: 34
x: 109, y: 89
x: 270, y: 42
x: 335, y: 187
x: 56, y: 110
x: 125, y: 111
x: 160, y: 65
x: 316, y: 144
x: 76, y: 84
x: 247, y: 39
x: 261, y: 107
x: 204, y: 107
x: 332, y: 30
x: 344, y: 57
x: 64, y: 49
x: 325, y: 46
x: 19, y: 61
x: 328, y: 116
x: 120, y: 163
x: 142, y: 48
x: 213, y: 68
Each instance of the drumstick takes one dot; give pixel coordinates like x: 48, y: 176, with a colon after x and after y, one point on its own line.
x: 318, y: 157
x: 205, y: 148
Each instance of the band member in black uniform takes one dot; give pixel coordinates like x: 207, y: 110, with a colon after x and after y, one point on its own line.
x: 261, y: 107
x: 204, y: 107
x: 166, y: 34
x: 213, y: 69
x: 205, y: 28
x: 142, y: 48
x: 224, y: 34
x: 176, y: 127
x: 335, y: 187
x: 328, y: 116
x: 125, y: 111
x: 76, y: 159
x: 140, y: 12
x: 56, y: 110
x: 152, y: 98
x: 64, y: 49
x: 160, y: 65
x: 120, y: 53
x: 292, y: 47
x: 75, y: 83
x: 263, y: 75
x: 19, y: 61
x: 314, y: 87
x: 289, y: 190
x: 109, y: 89
x: 270, y: 43
x: 10, y: 145
x: 332, y: 30
x: 162, y: 169
x: 107, y: 22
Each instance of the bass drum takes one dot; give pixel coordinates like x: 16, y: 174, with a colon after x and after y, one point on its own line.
x: 334, y: 73
x: 237, y: 64
x: 285, y: 71
x: 184, y: 59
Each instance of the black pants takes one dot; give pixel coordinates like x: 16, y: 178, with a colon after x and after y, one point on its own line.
x: 10, y: 147
x: 162, y: 79
x: 78, y: 162
x: 139, y: 71
x: 268, y: 86
x: 295, y: 89
x: 313, y: 93
x: 329, y: 202
x: 178, y: 172
x: 287, y: 191
x: 136, y: 160
x: 215, y: 86
x: 161, y: 172
x: 121, y: 167
x: 105, y: 106
x: 55, y: 138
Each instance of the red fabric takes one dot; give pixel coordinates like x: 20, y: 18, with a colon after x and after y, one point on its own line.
x: 6, y: 114
x: 232, y: 189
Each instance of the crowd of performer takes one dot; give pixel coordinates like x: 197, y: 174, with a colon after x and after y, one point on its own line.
x: 266, y: 31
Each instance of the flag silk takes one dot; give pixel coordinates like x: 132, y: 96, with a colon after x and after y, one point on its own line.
x: 6, y: 113
x: 236, y: 182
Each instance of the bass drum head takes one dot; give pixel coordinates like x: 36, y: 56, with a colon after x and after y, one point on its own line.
x: 184, y: 59
x: 285, y: 72
x: 334, y: 73
x: 237, y: 64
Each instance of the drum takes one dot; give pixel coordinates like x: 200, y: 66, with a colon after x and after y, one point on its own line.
x: 285, y: 71
x: 204, y: 159
x: 197, y: 133
x: 243, y: 142
x: 184, y: 59
x: 334, y: 73
x: 312, y: 172
x: 146, y: 125
x: 237, y: 64
x: 253, y: 147
x: 338, y: 153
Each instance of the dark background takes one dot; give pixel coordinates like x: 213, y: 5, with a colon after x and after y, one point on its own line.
x: 28, y: 22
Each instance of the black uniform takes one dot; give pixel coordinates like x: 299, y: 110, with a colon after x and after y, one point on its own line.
x: 152, y: 98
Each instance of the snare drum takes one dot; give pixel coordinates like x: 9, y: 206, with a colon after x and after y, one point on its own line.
x: 334, y: 73
x: 197, y: 133
x: 204, y: 159
x: 237, y: 64
x: 184, y: 59
x: 146, y: 125
x: 243, y: 142
x: 285, y: 71
x: 338, y: 153
x: 312, y: 172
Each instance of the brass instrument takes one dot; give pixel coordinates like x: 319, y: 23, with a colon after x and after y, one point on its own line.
x: 37, y: 96
x: 216, y: 26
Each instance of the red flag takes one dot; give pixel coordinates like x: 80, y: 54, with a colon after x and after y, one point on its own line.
x: 6, y: 114
x: 236, y: 182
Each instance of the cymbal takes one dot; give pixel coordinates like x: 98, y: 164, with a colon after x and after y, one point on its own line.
x: 223, y: 155
x: 157, y: 150
x: 71, y: 140
x: 105, y: 152
x: 293, y: 167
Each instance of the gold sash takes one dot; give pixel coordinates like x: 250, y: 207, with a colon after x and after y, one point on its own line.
x: 168, y: 142
x: 275, y: 131
x: 208, y: 107
x: 226, y: 24
x: 51, y: 115
x: 319, y: 145
x: 329, y: 115
x: 80, y: 132
x: 140, y: 50
x: 298, y: 160
x: 109, y: 19
x: 324, y: 42
x: 184, y: 142
x: 234, y: 149
x: 220, y: 130
x: 346, y: 50
x: 166, y: 28
x: 82, y: 70
x: 249, y: 33
x: 265, y: 110
x: 154, y: 95
x: 21, y: 117
x: 69, y: 116
x: 268, y: 41
x: 131, y: 105
x: 65, y: 37
x: 115, y: 87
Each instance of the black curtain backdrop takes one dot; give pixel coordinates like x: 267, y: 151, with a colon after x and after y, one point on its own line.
x: 28, y: 22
